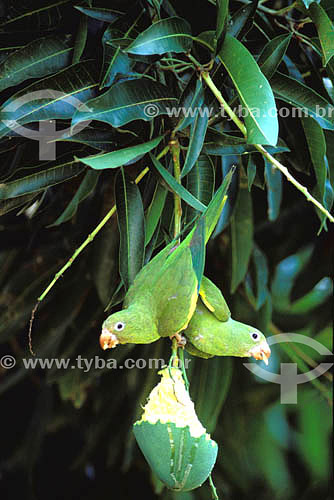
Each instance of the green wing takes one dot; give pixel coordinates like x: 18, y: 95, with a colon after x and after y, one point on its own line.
x: 189, y: 347
x: 214, y: 300
x: 147, y: 275
x: 212, y: 336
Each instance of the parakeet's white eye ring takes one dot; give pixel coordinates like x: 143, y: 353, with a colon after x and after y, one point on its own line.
x: 119, y: 326
x: 255, y: 336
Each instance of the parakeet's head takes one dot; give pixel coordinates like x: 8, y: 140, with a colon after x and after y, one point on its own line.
x: 128, y: 327
x: 225, y: 338
x: 253, y: 343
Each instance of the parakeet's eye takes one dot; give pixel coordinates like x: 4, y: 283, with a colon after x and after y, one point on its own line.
x: 119, y: 326
x: 255, y: 336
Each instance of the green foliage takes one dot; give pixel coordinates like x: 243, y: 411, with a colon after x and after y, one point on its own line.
x: 133, y: 67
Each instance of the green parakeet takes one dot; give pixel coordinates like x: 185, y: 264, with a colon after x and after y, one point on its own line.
x: 212, y: 332
x: 163, y: 296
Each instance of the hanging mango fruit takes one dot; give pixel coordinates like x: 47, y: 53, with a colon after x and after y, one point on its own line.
x: 175, y: 444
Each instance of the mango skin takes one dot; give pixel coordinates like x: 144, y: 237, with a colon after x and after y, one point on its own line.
x: 182, y: 462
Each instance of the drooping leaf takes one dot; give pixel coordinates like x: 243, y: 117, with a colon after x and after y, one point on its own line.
x: 242, y: 20
x: 228, y: 164
x: 241, y: 237
x: 139, y: 99
x: 176, y: 187
x: 105, y: 15
x: 39, y: 58
x: 210, y: 383
x: 325, y: 29
x: 13, y: 203
x: 42, y: 180
x: 200, y: 183
x: 222, y: 144
x: 197, y: 249
x: 118, y: 158
x: 251, y: 171
x: 258, y: 292
x: 254, y: 92
x: 81, y: 36
x: 272, y: 54
x: 103, y: 139
x: 131, y: 223
x: 115, y: 60
x: 32, y: 16
x: 191, y: 99
x: 297, y: 94
x: 197, y: 136
x: 221, y: 23
x: 154, y: 211
x: 168, y: 35
x: 274, y: 183
x: 87, y: 185
x: 317, y: 146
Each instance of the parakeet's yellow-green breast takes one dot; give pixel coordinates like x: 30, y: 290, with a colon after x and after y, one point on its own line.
x: 207, y: 336
x: 163, y: 297
x: 212, y: 331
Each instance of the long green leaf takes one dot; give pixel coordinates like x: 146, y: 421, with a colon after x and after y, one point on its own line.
x: 297, y: 94
x: 39, y: 58
x: 168, y: 35
x: 241, y: 236
x: 75, y: 82
x: 272, y: 54
x: 118, y: 158
x: 225, y: 145
x: 242, y: 20
x: 254, y: 92
x: 260, y: 294
x: 191, y: 99
x: 33, y: 16
x: 105, y: 15
x: 176, y: 187
x: 42, y: 180
x: 103, y: 139
x: 201, y: 184
x: 13, y: 203
x: 317, y: 146
x: 197, y: 135
x: 81, y: 36
x: 155, y: 210
x: 273, y: 179
x: 325, y: 30
x: 139, y: 99
x: 209, y: 386
x: 87, y: 185
x: 115, y: 60
x: 131, y: 223
x: 221, y: 24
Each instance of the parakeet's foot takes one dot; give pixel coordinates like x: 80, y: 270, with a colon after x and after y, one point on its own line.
x: 181, y: 340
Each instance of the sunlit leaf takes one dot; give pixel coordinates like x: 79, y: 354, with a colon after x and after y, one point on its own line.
x: 254, y: 92
x: 168, y: 35
x: 140, y: 99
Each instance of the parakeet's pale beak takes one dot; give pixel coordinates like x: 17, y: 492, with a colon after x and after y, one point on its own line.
x: 108, y: 340
x: 261, y: 351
